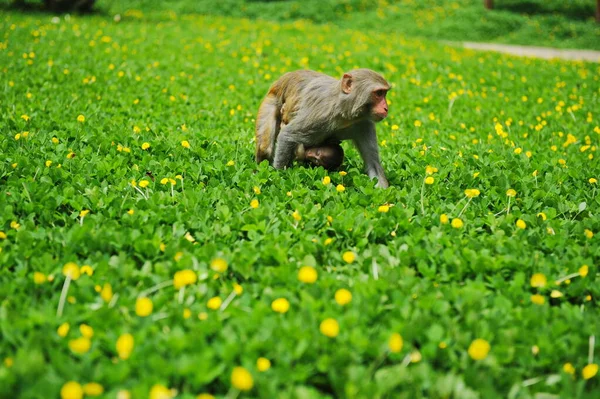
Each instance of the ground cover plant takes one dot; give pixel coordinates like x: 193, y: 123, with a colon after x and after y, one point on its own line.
x: 145, y: 254
x: 553, y: 23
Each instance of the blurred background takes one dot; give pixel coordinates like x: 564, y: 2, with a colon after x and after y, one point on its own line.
x: 552, y: 23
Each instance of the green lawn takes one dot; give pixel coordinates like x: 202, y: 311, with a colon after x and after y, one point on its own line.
x: 552, y: 23
x: 128, y: 158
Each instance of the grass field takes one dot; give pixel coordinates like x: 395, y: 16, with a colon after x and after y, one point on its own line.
x: 552, y: 23
x: 145, y: 254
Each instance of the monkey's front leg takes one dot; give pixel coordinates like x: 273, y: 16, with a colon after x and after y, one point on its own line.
x: 285, y: 151
x: 366, y: 141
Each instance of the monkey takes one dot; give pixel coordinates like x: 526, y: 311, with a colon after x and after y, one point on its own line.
x: 316, y: 111
x: 329, y: 155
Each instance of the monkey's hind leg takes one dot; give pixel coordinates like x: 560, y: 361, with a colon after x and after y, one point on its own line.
x: 267, y: 128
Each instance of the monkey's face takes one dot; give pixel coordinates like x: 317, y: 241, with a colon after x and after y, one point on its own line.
x: 379, y: 110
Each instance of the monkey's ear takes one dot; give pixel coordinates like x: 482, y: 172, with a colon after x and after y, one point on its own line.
x: 347, y: 83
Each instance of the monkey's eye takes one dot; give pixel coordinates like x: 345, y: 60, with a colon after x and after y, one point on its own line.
x: 380, y: 93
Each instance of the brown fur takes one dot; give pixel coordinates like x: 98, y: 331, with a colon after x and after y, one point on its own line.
x: 309, y: 108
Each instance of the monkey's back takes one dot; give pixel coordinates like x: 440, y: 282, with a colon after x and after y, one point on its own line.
x: 292, y: 84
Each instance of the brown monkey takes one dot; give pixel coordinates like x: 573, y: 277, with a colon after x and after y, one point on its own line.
x: 314, y: 110
x: 328, y: 155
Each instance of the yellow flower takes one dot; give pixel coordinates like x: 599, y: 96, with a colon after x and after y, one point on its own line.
x: 479, y: 349
x: 383, y: 209
x: 183, y: 278
x: 14, y: 225
x: 143, y: 306
x: 589, y: 371
x: 583, y: 270
x: 86, y: 330
x: 145, y: 146
x: 538, y: 299
x: 143, y: 183
x: 556, y: 294
x: 164, y: 180
x: 568, y: 368
x: 107, y: 293
x: 2, y: 235
x: 48, y: 163
x: 63, y: 330
x: 214, y: 303
x: 93, y: 389
x: 241, y: 379
x: 71, y: 390
x: 395, y: 343
x: 511, y: 193
x: 429, y: 180
x: 429, y: 170
x: 39, y: 278
x: 415, y: 356
x: 204, y: 396
x: 219, y: 265
x: 521, y: 224
x: 230, y: 163
x: 17, y: 136
x: 343, y: 296
x: 326, y: 180
x: 160, y: 392
x: 84, y: 213
x: 71, y: 269
x: 123, y: 394
x: 340, y: 188
x: 330, y: 328
x: 263, y: 364
x: 535, y: 173
x: 542, y: 215
x: 8, y: 362
x: 256, y: 190
x: 593, y: 180
x: 518, y: 150
x: 342, y: 173
x: 457, y: 223
x: 588, y: 233
x: 80, y: 345
x: 80, y: 118
x: 296, y: 216
x: 444, y: 218
x: 280, y: 305
x: 187, y: 313
x: 472, y: 192
x: 538, y: 280
x: 185, y: 144
x: 254, y: 203
x: 238, y: 289
x: 25, y: 117
x: 70, y: 155
x: 86, y: 269
x: 125, y: 346
x: 307, y: 274
x: 130, y: 212
x: 348, y: 256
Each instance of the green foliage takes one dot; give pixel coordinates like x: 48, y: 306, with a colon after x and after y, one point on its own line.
x: 568, y: 24
x: 485, y: 121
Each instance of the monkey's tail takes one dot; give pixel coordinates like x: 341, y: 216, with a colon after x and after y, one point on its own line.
x: 267, y: 128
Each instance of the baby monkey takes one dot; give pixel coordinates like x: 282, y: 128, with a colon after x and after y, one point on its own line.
x: 306, y: 114
x: 330, y: 156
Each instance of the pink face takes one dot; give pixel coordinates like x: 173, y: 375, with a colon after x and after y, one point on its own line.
x: 380, y: 106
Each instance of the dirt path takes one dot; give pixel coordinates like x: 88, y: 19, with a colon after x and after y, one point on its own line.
x: 537, y: 52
